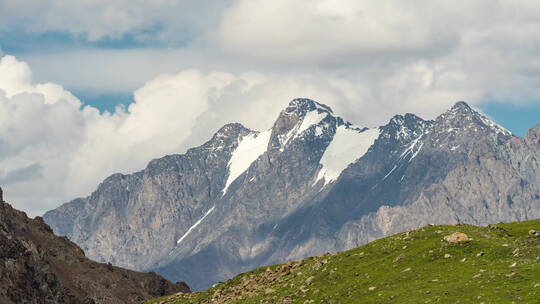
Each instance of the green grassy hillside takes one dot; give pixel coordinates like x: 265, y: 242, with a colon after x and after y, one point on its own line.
x: 501, y: 264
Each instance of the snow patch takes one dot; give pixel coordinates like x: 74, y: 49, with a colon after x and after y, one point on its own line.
x: 494, y: 126
x: 194, y: 226
x: 284, y: 138
x: 318, y: 131
x: 413, y: 148
x: 403, y: 133
x: 249, y: 149
x: 347, y: 146
x: 388, y: 174
x: 311, y: 118
x: 417, y: 151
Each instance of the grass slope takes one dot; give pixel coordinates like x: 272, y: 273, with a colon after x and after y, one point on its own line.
x: 500, y: 265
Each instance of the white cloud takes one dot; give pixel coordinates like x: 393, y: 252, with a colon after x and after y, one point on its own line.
x: 39, y: 126
x: 346, y: 32
x: 156, y: 124
x: 476, y: 50
x: 16, y: 77
x: 329, y: 31
x: 366, y: 59
x: 54, y: 150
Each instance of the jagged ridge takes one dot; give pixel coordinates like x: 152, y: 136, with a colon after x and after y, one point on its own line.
x: 289, y: 199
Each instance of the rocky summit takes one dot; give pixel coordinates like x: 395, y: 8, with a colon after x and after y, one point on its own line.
x: 313, y: 183
x: 38, y: 267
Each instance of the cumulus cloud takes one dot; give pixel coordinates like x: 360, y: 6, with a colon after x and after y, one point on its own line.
x: 55, y: 148
x: 367, y: 59
x: 482, y: 50
x: 485, y: 50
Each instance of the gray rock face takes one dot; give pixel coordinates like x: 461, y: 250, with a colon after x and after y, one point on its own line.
x: 314, y: 183
x: 166, y: 199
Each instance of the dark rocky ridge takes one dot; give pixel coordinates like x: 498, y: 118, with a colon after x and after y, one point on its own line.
x: 459, y: 168
x: 38, y: 267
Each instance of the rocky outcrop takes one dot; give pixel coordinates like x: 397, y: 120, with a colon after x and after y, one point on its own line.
x: 533, y: 137
x: 38, y: 267
x: 311, y: 184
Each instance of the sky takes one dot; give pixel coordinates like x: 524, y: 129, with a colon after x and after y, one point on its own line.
x: 89, y: 88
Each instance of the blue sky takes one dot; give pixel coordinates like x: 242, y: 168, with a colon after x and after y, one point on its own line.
x: 517, y: 119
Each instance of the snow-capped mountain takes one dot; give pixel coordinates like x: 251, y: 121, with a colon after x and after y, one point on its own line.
x: 311, y: 184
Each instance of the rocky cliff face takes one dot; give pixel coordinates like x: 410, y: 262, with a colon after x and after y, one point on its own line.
x: 168, y: 197
x: 313, y: 183
x: 38, y: 267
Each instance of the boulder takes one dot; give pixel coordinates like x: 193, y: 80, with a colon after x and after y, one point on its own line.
x: 457, y: 237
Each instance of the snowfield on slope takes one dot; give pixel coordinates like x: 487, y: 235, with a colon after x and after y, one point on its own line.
x: 249, y: 149
x: 311, y: 118
x: 347, y: 146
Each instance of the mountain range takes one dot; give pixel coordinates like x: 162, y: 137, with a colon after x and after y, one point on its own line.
x: 311, y: 184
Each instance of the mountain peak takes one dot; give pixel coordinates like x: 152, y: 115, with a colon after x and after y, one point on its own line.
x: 301, y: 115
x: 230, y: 129
x: 304, y: 105
x: 404, y: 119
x: 462, y: 117
x: 460, y: 109
x: 462, y: 106
x: 406, y: 127
x: 225, y: 138
x: 459, y: 113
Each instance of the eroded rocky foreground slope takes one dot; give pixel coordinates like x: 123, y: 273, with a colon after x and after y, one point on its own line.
x: 37, y: 266
x: 313, y: 183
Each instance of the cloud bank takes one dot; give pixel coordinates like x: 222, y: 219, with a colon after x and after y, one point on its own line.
x: 197, y: 66
x: 96, y: 19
